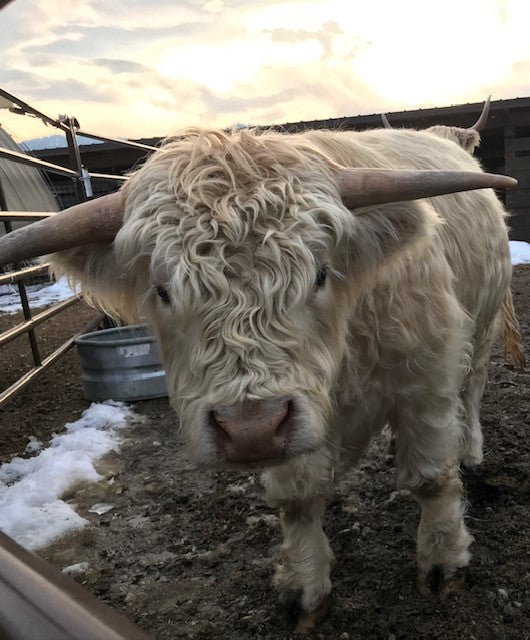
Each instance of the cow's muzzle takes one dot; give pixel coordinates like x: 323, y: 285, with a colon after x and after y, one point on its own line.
x: 254, y: 431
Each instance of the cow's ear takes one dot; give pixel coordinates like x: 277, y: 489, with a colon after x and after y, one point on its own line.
x: 382, y: 234
x: 97, y: 273
x: 468, y: 139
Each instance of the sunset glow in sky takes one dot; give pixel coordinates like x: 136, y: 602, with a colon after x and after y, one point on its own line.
x: 141, y: 68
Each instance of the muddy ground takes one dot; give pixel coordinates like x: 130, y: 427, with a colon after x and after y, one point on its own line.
x: 188, y: 554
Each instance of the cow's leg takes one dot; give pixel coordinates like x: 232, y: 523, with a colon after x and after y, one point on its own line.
x: 443, y: 540
x: 471, y: 453
x: 428, y: 444
x: 300, y: 490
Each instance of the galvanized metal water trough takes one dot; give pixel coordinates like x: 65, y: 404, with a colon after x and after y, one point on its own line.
x: 122, y: 363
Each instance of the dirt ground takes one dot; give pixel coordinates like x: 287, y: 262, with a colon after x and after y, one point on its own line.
x: 189, y: 554
x: 56, y: 396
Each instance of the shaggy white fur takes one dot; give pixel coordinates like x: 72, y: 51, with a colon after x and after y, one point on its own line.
x: 235, y: 227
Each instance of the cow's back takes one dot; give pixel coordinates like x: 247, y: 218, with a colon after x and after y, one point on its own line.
x: 473, y: 235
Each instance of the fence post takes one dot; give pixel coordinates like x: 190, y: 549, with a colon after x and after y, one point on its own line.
x: 21, y: 287
x: 75, y: 155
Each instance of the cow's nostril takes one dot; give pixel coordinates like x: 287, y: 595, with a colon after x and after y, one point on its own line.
x: 285, y: 425
x: 254, y: 430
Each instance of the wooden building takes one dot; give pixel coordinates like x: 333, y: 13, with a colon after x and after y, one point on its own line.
x: 505, y: 148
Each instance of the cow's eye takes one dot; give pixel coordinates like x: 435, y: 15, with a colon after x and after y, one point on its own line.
x: 321, y: 277
x: 163, y: 295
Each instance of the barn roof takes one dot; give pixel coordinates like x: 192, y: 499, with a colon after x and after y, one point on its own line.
x: 456, y: 115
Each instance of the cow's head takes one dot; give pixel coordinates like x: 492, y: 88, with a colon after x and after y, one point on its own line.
x: 466, y: 137
x: 244, y: 252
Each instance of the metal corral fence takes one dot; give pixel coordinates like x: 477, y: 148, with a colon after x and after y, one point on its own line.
x: 82, y: 182
x: 36, y: 601
x: 39, y: 603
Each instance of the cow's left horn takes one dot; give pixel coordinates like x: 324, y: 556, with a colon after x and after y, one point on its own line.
x: 364, y: 187
x: 97, y: 220
x: 483, y: 118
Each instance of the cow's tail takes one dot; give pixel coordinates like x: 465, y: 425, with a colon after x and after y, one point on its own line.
x: 511, y: 338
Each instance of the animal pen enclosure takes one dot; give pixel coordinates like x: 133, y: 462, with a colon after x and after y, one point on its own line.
x: 81, y: 180
x: 35, y: 598
x: 211, y: 535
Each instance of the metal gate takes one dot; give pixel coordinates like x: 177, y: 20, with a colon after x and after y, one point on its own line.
x: 82, y: 182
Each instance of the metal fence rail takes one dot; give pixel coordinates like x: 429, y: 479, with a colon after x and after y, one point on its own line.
x: 39, y: 602
x: 83, y: 191
x: 19, y: 106
x: 24, y: 327
x: 36, y: 600
x: 28, y: 377
x: 127, y: 143
x: 22, y: 158
x: 22, y: 274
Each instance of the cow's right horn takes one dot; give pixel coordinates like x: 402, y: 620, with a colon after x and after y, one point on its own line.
x: 97, y: 220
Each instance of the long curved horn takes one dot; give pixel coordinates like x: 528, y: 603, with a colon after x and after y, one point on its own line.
x: 97, y: 220
x: 364, y: 187
x: 483, y: 118
x: 386, y: 124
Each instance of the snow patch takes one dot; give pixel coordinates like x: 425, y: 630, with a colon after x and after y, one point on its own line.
x: 100, y: 508
x: 31, y: 509
x: 33, y: 445
x: 520, y: 252
x: 38, y: 295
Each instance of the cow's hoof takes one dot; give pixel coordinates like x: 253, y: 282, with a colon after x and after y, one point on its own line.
x: 454, y: 583
x: 290, y: 603
x: 309, y: 621
x: 435, y: 582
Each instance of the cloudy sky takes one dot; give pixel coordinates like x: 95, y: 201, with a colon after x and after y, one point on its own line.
x: 148, y: 67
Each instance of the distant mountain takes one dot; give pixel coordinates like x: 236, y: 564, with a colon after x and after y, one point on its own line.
x: 54, y: 142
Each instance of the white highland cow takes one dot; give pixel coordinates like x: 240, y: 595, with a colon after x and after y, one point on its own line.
x: 306, y: 290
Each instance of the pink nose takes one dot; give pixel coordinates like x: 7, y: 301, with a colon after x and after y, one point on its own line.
x: 253, y: 431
